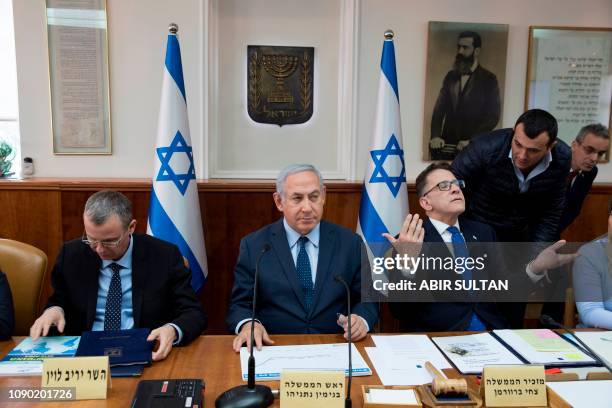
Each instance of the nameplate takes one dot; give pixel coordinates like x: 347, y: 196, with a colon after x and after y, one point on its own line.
x: 514, y: 386
x: 89, y: 376
x: 304, y: 389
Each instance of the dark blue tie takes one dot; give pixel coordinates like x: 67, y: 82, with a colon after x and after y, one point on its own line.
x: 112, y: 312
x: 461, y: 251
x: 304, y: 273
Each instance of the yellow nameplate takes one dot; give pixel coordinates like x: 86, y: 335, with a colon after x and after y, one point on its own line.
x: 514, y: 386
x: 304, y: 389
x: 89, y: 376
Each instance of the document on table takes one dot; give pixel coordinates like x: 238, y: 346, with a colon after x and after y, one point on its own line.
x: 413, y: 347
x: 600, y: 342
x: 543, y: 346
x: 271, y: 360
x: 395, y: 369
x: 584, y: 394
x: 384, y: 396
x: 470, y: 353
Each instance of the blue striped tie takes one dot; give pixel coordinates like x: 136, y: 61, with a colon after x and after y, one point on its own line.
x: 112, y: 312
x: 304, y: 273
x: 461, y: 251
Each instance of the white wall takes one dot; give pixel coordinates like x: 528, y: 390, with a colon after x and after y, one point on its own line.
x: 137, y: 31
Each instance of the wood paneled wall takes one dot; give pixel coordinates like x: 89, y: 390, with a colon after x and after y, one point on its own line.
x: 46, y: 212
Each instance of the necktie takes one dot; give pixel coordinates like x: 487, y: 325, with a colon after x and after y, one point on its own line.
x: 461, y: 251
x: 304, y: 273
x: 112, y: 312
x: 570, y: 177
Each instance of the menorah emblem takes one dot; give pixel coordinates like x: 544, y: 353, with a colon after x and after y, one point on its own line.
x: 280, y: 67
x: 280, y: 84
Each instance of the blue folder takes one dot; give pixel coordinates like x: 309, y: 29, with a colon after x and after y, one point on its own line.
x: 128, y: 349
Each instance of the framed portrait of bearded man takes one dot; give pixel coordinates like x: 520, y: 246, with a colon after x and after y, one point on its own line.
x: 464, y: 87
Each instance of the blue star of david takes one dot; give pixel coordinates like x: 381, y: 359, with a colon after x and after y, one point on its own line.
x: 379, y: 175
x: 166, y: 173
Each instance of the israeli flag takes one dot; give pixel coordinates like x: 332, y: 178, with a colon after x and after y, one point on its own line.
x: 174, y: 211
x: 384, y: 200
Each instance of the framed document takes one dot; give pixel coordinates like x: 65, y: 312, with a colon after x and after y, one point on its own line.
x: 569, y: 74
x: 78, y: 73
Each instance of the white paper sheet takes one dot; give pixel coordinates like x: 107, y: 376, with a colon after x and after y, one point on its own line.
x: 271, y: 360
x: 584, y: 394
x: 472, y: 352
x: 398, y: 370
x: 600, y: 342
x: 382, y: 396
x: 414, y: 347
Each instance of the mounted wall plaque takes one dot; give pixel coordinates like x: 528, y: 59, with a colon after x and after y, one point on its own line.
x: 280, y: 84
x: 569, y: 74
x: 78, y: 74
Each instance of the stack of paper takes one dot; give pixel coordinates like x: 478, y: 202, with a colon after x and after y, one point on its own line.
x: 472, y: 352
x: 583, y: 394
x: 400, y: 360
x: 543, y: 346
x: 26, y: 358
x: 270, y: 361
x: 599, y: 342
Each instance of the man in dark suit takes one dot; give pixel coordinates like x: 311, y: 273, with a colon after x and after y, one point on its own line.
x: 515, y: 182
x: 468, y: 103
x: 7, y: 314
x: 441, y: 197
x: 296, y: 288
x: 590, y: 145
x: 111, y: 280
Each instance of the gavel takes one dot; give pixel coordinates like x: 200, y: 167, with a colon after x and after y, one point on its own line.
x: 441, y: 385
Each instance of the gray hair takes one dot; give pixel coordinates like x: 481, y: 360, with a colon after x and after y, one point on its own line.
x: 597, y: 129
x: 294, y: 169
x: 102, y: 205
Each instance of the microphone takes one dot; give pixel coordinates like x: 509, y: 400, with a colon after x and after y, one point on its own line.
x: 546, y: 320
x: 347, y: 402
x: 250, y: 395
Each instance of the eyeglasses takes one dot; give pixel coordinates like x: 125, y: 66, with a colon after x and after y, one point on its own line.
x: 106, y: 244
x: 446, y: 185
x: 588, y: 150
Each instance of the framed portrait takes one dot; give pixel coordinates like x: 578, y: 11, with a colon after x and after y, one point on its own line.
x: 78, y: 76
x: 569, y: 74
x: 464, y: 88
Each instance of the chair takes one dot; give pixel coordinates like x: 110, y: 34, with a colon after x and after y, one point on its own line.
x: 25, y: 267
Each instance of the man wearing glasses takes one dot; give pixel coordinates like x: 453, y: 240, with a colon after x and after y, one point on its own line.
x: 440, y: 195
x: 590, y: 145
x: 112, y: 279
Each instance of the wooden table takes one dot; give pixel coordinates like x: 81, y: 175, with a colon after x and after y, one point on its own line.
x: 208, y: 357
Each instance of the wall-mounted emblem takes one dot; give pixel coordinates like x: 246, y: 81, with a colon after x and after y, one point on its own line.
x: 280, y: 84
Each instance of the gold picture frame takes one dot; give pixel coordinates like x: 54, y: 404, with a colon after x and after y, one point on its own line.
x: 569, y: 74
x: 79, y: 76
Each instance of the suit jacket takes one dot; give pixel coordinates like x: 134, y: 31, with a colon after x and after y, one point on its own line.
x: 280, y: 302
x: 460, y: 114
x: 575, y: 195
x: 7, y: 315
x: 436, y: 315
x: 161, y: 287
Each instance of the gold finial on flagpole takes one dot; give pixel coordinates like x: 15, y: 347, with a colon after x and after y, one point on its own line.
x: 389, y: 34
x: 173, y: 28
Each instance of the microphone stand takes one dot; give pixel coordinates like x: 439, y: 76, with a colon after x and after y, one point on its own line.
x: 250, y: 395
x: 347, y: 402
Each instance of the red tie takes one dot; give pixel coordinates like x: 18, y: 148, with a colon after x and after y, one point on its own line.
x: 571, y: 176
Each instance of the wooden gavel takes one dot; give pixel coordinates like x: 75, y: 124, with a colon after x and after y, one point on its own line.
x: 441, y: 385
